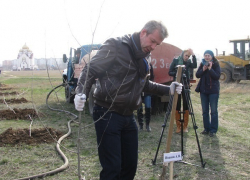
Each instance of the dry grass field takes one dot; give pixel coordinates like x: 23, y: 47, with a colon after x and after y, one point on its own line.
x: 226, y: 155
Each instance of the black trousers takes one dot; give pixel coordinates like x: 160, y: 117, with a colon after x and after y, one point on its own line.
x: 117, y: 139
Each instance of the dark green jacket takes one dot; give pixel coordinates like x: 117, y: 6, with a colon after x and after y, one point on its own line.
x: 188, y: 64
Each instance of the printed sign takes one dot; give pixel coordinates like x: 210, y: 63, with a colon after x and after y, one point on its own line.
x: 172, y: 156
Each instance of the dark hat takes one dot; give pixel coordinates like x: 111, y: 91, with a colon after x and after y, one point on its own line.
x: 209, y: 52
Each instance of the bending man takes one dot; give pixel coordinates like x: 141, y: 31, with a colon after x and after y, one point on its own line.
x: 121, y: 68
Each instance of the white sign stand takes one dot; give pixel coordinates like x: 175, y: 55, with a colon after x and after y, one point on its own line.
x: 170, y: 158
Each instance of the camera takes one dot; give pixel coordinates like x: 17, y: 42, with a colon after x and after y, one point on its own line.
x: 207, y: 64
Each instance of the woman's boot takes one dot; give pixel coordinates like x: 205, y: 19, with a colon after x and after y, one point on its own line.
x: 178, y: 123
x: 140, y: 118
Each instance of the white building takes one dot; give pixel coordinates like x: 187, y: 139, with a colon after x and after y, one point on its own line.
x: 24, y: 59
x: 49, y: 63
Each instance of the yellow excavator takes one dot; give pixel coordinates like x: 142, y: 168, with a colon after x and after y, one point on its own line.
x: 236, y: 67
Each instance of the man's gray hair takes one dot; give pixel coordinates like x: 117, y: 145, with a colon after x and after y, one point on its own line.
x: 152, y: 25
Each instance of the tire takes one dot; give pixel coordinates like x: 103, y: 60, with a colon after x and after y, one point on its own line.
x: 91, y: 99
x: 225, y: 76
x: 68, y: 95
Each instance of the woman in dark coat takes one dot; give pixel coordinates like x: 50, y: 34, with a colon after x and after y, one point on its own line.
x: 209, y: 87
x: 183, y: 59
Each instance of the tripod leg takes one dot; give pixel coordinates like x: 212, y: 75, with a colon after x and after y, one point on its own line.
x: 186, y: 118
x: 190, y: 107
x: 156, y: 154
x: 163, y: 127
x: 182, y: 148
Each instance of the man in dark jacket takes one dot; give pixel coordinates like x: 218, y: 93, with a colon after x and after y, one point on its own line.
x: 121, y: 68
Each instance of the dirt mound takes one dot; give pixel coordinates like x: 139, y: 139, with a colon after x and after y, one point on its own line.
x: 3, y: 89
x: 8, y: 93
x: 22, y: 136
x: 2, y: 85
x: 15, y: 101
x: 17, y: 114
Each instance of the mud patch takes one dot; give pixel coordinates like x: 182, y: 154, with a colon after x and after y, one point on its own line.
x: 2, y: 85
x: 3, y: 89
x: 8, y: 93
x: 14, y: 101
x: 22, y: 136
x: 17, y: 114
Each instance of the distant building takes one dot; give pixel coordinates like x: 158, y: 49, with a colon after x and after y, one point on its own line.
x: 24, y: 59
x: 7, y: 64
x: 50, y: 63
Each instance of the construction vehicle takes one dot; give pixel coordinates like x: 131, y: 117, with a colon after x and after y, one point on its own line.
x: 236, y: 67
x: 161, y: 59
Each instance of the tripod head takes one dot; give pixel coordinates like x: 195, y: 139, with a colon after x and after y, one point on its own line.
x: 183, y: 70
x: 183, y: 75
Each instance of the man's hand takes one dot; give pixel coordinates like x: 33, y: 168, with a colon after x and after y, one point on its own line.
x: 80, y: 100
x: 175, y: 86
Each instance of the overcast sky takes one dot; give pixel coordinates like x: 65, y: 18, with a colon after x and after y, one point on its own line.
x: 50, y: 27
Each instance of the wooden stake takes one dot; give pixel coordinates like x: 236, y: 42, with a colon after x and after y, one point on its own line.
x: 171, y: 170
x: 171, y: 124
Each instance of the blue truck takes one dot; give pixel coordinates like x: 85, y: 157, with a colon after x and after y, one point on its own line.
x: 75, y: 62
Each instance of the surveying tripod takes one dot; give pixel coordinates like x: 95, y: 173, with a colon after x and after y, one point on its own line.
x: 186, y: 90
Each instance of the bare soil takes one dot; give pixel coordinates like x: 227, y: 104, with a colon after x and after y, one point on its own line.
x: 17, y: 114
x: 22, y: 136
x: 8, y: 93
x: 2, y: 85
x: 3, y: 89
x: 14, y: 101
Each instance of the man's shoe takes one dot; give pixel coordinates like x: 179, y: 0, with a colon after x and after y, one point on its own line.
x: 148, y: 128
x: 204, y: 132
x: 211, y: 134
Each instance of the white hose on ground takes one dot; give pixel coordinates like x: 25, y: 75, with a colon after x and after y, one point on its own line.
x: 65, y: 159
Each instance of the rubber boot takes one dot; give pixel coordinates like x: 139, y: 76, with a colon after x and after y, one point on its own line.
x: 178, y: 123
x: 140, y: 118
x: 147, y: 118
x: 186, y: 117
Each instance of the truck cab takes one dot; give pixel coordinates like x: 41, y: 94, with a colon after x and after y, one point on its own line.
x: 76, y: 61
